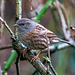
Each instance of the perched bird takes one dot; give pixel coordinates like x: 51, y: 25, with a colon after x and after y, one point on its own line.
x: 35, y: 36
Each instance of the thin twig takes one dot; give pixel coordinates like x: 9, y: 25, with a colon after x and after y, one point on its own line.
x: 2, y: 15
x: 5, y: 24
x: 6, y: 47
x: 50, y: 64
x: 65, y: 13
x: 18, y: 9
x: 52, y: 68
x: 18, y: 16
x: 17, y: 65
x: 63, y: 22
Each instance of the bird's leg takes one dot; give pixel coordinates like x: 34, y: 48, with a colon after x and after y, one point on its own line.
x: 35, y: 57
x: 17, y: 65
x: 24, y: 51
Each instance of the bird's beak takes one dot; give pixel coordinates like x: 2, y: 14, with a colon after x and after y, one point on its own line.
x: 16, y: 25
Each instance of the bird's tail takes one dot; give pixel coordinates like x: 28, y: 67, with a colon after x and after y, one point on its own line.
x: 61, y: 40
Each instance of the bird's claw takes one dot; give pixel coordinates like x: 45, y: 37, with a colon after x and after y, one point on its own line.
x: 24, y: 51
x: 34, y: 58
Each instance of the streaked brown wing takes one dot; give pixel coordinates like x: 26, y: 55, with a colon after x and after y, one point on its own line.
x: 38, y: 40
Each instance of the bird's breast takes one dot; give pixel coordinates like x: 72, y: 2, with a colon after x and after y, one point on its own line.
x: 34, y: 41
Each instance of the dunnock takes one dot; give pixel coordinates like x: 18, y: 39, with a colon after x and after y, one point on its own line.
x: 34, y: 35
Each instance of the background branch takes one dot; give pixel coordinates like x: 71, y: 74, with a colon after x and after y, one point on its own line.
x: 63, y: 22
x: 2, y: 15
x: 5, y: 24
x: 5, y: 47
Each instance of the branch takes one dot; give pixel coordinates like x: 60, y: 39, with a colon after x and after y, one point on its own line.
x: 5, y: 47
x: 18, y: 16
x: 63, y: 22
x: 50, y: 64
x: 18, y: 9
x: 5, y: 24
x: 65, y: 13
x: 2, y: 15
x: 17, y: 45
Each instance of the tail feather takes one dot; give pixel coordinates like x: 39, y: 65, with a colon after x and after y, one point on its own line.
x: 61, y: 40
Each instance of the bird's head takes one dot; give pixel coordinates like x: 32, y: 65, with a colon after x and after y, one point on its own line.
x: 24, y: 25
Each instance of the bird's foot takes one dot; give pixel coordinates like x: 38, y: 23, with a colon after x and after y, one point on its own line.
x: 35, y: 57
x: 24, y: 51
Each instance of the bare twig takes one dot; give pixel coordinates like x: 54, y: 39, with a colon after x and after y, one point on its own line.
x: 18, y: 9
x: 5, y: 47
x: 18, y: 16
x: 17, y: 65
x: 50, y: 64
x: 62, y: 18
x: 2, y: 15
x: 65, y: 13
x: 4, y: 22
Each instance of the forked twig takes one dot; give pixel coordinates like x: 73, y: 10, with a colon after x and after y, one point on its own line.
x: 5, y: 24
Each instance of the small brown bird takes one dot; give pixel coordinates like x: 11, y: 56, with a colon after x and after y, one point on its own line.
x: 35, y: 36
